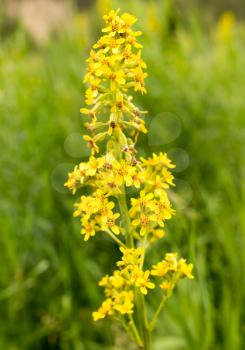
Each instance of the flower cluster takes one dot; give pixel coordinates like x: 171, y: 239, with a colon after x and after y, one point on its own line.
x: 107, y: 177
x: 96, y: 214
x: 120, y: 287
x: 114, y: 67
x: 170, y: 270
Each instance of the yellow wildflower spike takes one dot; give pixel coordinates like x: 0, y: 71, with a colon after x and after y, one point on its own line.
x: 114, y: 68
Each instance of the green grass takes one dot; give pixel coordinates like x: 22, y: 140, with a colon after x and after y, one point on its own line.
x: 48, y: 275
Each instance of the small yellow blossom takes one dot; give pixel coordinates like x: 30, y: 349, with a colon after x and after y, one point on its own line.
x: 104, y: 281
x: 144, y: 283
x: 131, y: 257
x: 171, y: 270
x: 124, y: 302
x: 88, y: 205
x: 166, y: 285
x: 104, y: 310
x: 123, y: 172
x: 142, y: 203
x: 93, y: 165
x: 77, y: 177
x: 91, y: 143
x: 117, y: 280
x: 144, y: 222
x: 160, y: 269
x: 88, y: 228
x: 158, y: 160
x: 109, y: 223
x: 185, y: 269
x: 164, y: 211
x: 157, y: 234
x: 168, y: 177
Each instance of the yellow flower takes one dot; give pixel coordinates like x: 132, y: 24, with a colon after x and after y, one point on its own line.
x: 168, y: 264
x: 168, y: 177
x: 185, y: 269
x: 123, y: 302
x: 158, y: 160
x: 117, y: 280
x: 171, y: 259
x: 106, y: 180
x: 137, y: 178
x: 106, y: 209
x: 104, y: 310
x: 88, y: 228
x: 164, y: 211
x: 166, y: 285
x: 114, y: 22
x: 90, y: 71
x: 145, y: 223
x: 123, y: 173
x: 104, y: 281
x: 139, y: 78
x: 111, y: 16
x: 135, y: 274
x: 77, y: 177
x: 94, y: 165
x: 109, y: 223
x: 145, y: 201
x: 88, y: 205
x: 160, y: 269
x: 91, y: 144
x: 94, y: 86
x: 128, y: 20
x: 143, y: 283
x: 131, y: 257
x: 103, y: 68
x: 125, y: 308
x: 157, y: 234
x: 126, y: 54
x: 114, y: 45
x: 89, y: 97
x: 159, y: 186
x: 131, y: 40
x: 116, y: 78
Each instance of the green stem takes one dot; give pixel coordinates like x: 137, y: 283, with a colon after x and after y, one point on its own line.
x: 145, y: 333
x: 135, y: 332
x: 159, y: 309
x: 128, y: 329
x: 115, y: 239
x: 125, y: 218
x: 162, y: 303
x: 144, y: 245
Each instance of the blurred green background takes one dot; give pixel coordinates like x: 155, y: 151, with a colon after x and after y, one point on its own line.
x: 48, y: 275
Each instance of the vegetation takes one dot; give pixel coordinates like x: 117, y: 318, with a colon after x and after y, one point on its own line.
x: 47, y: 279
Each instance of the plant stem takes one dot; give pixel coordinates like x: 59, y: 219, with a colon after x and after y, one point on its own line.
x: 125, y: 218
x: 159, y: 309
x: 145, y: 333
x: 135, y: 331
x: 162, y: 304
x: 128, y: 329
x: 116, y: 239
x: 143, y: 255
